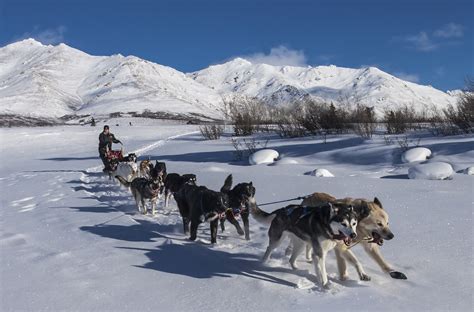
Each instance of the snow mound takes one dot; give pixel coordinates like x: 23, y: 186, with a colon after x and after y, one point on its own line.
x: 416, y: 154
x: 469, y: 170
x: 265, y: 156
x: 431, y: 171
x: 320, y: 172
x: 286, y: 161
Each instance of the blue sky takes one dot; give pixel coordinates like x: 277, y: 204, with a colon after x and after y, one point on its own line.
x: 425, y: 41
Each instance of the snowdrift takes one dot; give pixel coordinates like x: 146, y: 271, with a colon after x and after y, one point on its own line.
x: 265, y: 156
x: 320, y: 172
x: 416, y: 154
x: 431, y: 171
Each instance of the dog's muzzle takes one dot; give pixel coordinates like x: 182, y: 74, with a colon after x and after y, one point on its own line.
x: 377, y: 238
x: 346, y: 239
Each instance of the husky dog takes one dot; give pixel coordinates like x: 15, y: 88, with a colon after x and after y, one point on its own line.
x: 240, y: 197
x: 128, y: 170
x: 145, y: 168
x: 113, y: 165
x: 132, y: 157
x: 143, y: 189
x: 319, y: 226
x: 372, y: 229
x: 174, y: 182
x: 159, y: 169
x: 198, y: 204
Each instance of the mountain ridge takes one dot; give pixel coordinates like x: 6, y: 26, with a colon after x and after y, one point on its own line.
x: 39, y: 80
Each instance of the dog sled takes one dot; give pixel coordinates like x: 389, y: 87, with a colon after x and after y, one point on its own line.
x: 114, y: 155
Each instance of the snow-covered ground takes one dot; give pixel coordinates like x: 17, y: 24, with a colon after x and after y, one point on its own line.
x: 71, y: 240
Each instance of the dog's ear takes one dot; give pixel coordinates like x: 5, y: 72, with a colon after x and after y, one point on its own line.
x: 332, y: 210
x: 251, y: 183
x: 227, y: 184
x: 377, y: 202
x: 327, y: 211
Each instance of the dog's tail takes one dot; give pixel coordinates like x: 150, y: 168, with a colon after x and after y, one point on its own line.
x: 258, y: 214
x: 123, y: 181
x: 227, y: 184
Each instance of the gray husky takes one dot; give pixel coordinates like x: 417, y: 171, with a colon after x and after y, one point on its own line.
x: 322, y: 227
x: 143, y: 189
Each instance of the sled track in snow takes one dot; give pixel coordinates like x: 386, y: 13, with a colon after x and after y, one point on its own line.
x: 148, y: 147
x: 166, y: 222
x: 121, y: 200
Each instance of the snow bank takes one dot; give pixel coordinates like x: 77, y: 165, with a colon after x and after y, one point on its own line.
x: 286, y: 161
x: 469, y: 170
x: 265, y: 156
x: 431, y: 171
x: 320, y: 172
x: 416, y: 154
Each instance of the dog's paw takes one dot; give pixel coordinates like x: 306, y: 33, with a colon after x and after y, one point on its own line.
x: 398, y: 275
x: 247, y: 237
x: 326, y: 286
x: 344, y: 277
x: 294, y: 266
x: 240, y: 232
x: 364, y: 277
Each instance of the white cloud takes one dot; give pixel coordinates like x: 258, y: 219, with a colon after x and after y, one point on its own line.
x: 408, y: 77
x: 280, y: 55
x: 422, y: 42
x: 429, y: 41
x: 450, y: 30
x: 45, y: 36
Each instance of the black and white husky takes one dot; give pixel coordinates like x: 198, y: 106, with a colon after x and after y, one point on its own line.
x: 322, y: 227
x: 198, y: 204
x: 240, y: 197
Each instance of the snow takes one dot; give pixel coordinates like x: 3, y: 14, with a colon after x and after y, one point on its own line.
x: 431, y: 171
x: 72, y: 240
x: 332, y: 84
x: 321, y: 172
x: 416, y: 154
x: 469, y: 170
x: 286, y: 161
x: 60, y: 80
x: 265, y: 156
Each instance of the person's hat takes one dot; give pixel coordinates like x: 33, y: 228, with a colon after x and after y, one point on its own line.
x: 106, y: 127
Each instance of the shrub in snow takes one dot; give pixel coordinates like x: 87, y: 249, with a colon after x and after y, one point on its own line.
x: 416, y: 154
x: 265, y: 156
x: 212, y: 132
x: 431, y: 171
x: 320, y: 173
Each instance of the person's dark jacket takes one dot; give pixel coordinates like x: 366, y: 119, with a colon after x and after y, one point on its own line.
x: 105, y: 141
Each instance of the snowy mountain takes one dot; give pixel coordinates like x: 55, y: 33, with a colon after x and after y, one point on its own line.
x: 39, y: 80
x: 281, y: 84
x: 52, y: 81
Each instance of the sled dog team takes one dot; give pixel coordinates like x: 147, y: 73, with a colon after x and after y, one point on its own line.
x: 319, y: 224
